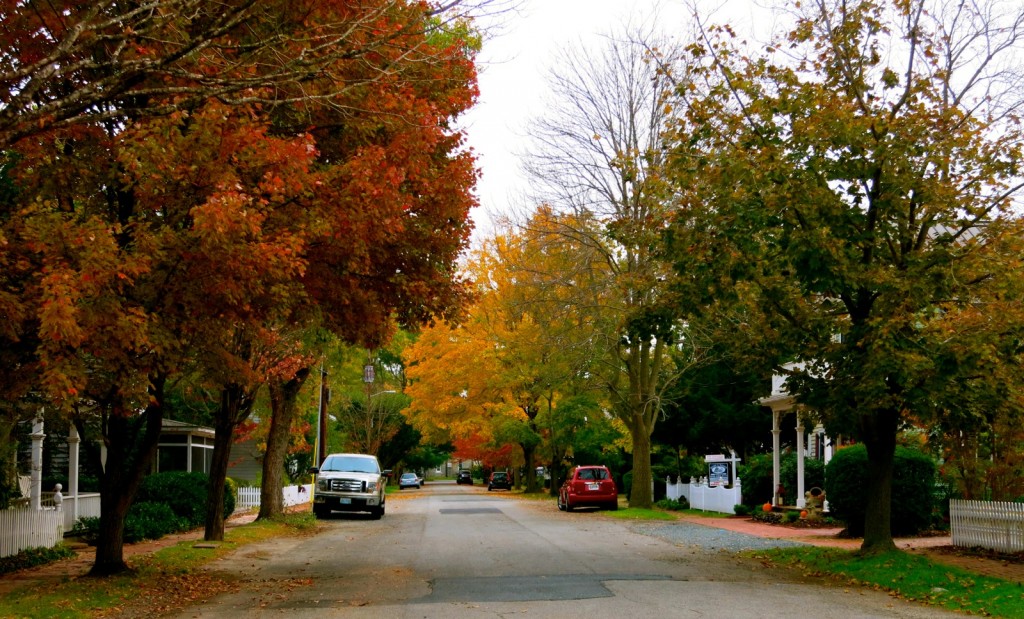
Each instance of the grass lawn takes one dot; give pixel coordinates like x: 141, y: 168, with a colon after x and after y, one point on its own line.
x: 909, y: 577
x: 164, y: 579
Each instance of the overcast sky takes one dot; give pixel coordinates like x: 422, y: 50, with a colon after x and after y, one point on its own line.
x: 513, y: 70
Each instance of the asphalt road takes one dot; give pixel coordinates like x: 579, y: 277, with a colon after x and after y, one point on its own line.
x: 449, y: 551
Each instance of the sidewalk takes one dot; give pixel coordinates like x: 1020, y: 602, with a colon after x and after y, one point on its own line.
x: 937, y: 548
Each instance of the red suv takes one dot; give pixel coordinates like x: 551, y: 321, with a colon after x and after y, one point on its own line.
x: 591, y: 486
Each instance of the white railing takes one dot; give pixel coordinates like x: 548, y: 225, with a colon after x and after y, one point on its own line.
x: 704, y: 497
x: 995, y: 525
x: 30, y: 528
x: 249, y: 497
x: 88, y: 506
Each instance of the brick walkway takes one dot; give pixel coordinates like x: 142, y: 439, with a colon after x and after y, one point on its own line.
x: 939, y: 549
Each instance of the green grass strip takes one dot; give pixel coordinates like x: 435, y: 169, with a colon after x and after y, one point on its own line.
x: 909, y: 577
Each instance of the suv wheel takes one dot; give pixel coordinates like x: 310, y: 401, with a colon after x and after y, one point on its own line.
x: 320, y: 512
x: 378, y: 513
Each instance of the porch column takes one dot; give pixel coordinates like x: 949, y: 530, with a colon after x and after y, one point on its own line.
x: 800, y: 502
x: 37, y: 461
x: 73, y: 442
x: 776, y: 445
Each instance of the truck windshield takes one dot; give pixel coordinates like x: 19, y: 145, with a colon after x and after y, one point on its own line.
x: 350, y: 464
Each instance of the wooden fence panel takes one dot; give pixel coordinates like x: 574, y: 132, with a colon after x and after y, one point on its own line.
x: 995, y: 525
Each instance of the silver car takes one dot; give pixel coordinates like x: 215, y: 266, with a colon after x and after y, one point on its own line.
x: 349, y: 483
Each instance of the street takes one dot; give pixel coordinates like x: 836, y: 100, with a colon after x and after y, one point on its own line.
x: 450, y: 551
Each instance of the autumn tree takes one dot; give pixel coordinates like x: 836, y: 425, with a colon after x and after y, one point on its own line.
x: 857, y: 179
x: 597, y: 164
x: 160, y: 230
x: 488, y: 375
x: 79, y: 62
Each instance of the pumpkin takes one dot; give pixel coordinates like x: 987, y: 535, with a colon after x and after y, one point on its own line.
x: 803, y: 514
x: 767, y: 507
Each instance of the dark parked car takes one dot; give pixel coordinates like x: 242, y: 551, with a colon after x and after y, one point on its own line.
x: 588, y: 486
x: 499, y: 479
x: 464, y: 477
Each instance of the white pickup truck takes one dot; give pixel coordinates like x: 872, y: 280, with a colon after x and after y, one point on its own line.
x: 349, y: 483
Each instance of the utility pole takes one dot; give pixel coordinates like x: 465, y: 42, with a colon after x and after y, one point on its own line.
x: 325, y: 397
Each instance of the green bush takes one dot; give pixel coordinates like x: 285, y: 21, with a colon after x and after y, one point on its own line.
x: 230, y: 496
x: 148, y: 520
x: 185, y: 493
x: 756, y: 477
x: 31, y: 557
x: 790, y: 516
x: 913, y: 489
x: 86, y: 528
x: 741, y: 510
x: 673, y: 504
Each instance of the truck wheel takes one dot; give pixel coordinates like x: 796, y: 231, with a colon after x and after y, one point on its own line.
x: 320, y: 512
x: 378, y: 512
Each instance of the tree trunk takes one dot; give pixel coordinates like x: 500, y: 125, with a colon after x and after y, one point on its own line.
x: 641, y: 495
x: 878, y: 431
x: 282, y: 404
x: 131, y: 447
x: 530, y: 470
x: 214, y: 531
x: 235, y: 405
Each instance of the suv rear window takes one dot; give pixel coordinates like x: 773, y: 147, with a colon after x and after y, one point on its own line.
x: 592, y: 474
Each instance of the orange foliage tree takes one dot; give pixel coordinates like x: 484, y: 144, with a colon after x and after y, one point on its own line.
x: 204, y: 195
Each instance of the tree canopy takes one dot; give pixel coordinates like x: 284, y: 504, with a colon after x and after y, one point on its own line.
x: 856, y: 183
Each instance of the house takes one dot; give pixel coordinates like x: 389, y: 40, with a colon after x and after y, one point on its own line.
x: 189, y: 447
x: 184, y: 447
x: 816, y: 443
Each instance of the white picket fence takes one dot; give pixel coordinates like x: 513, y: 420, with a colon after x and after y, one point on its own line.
x: 995, y: 525
x: 704, y: 497
x: 249, y: 497
x: 24, y: 528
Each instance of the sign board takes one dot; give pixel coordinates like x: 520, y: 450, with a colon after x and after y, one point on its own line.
x: 368, y: 374
x: 718, y: 474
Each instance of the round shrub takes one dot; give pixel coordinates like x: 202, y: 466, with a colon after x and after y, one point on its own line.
x: 913, y: 487
x: 149, y: 520
x: 185, y: 493
x: 673, y: 504
x: 230, y: 496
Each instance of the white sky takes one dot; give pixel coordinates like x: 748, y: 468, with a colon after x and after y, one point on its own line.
x: 513, y: 68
